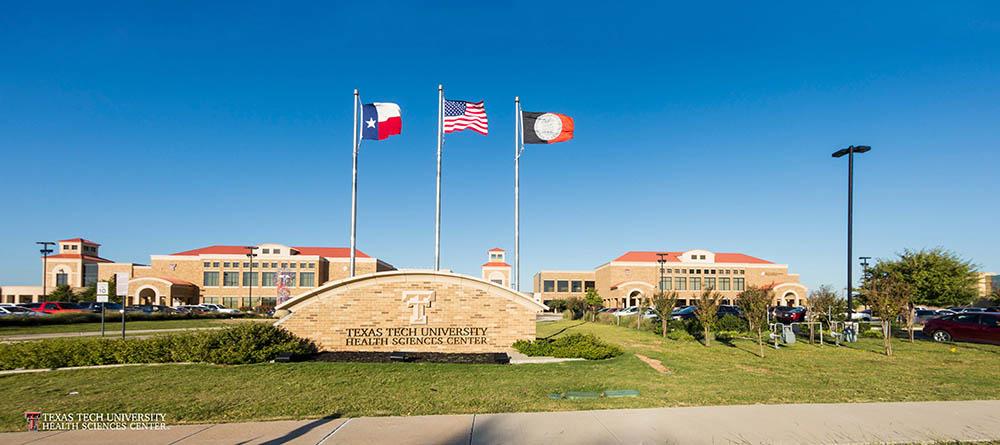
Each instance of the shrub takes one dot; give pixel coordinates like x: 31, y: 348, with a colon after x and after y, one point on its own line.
x: 871, y: 334
x: 727, y: 336
x: 605, y: 318
x: 586, y: 346
x: 680, y: 334
x: 730, y: 322
x: 240, y: 344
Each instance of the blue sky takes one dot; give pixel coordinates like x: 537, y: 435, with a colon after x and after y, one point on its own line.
x: 156, y: 127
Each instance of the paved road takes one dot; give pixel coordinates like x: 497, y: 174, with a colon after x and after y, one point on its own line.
x: 908, y: 422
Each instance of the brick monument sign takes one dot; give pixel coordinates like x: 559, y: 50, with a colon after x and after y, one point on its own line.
x: 412, y: 311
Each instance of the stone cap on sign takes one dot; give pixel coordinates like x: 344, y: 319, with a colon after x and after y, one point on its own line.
x: 416, y: 276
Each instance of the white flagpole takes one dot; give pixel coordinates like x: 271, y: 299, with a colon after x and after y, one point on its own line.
x: 517, y: 195
x: 354, y: 185
x: 437, y: 218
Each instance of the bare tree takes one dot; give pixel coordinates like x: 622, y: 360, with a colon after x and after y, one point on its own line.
x: 910, y: 317
x: 663, y: 304
x: 826, y: 304
x: 707, y: 312
x: 753, y: 302
x: 888, y: 296
x: 642, y: 305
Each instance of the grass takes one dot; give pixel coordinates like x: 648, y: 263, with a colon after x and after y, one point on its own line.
x: 716, y: 375
x: 113, y: 325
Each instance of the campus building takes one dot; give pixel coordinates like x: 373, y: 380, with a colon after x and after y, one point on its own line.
x: 496, y: 270
x: 635, y: 275
x: 214, y: 274
x: 986, y: 282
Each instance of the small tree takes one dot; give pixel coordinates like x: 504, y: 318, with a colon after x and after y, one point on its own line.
x: 707, y: 312
x: 888, y: 296
x: 61, y: 293
x: 910, y: 318
x: 827, y: 306
x: 89, y: 293
x: 642, y: 304
x: 663, y: 304
x: 753, y: 302
x: 577, y: 305
x: 557, y: 305
x: 594, y: 302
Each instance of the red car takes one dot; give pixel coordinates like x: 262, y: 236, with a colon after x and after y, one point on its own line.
x: 982, y: 327
x: 787, y: 315
x: 55, y: 307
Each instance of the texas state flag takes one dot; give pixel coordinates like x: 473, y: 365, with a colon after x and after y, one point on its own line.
x: 380, y: 120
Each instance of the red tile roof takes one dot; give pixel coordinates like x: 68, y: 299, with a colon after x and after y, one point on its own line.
x: 331, y: 252
x: 496, y: 264
x: 78, y: 256
x: 672, y: 257
x: 78, y: 240
x: 497, y: 249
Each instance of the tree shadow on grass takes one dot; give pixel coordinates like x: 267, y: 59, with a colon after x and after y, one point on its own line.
x: 563, y: 330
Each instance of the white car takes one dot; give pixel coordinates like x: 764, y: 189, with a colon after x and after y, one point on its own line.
x: 632, y: 310
x: 220, y: 308
x: 17, y: 311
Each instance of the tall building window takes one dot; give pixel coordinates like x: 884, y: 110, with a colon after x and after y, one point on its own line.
x: 577, y: 286
x: 230, y: 279
x: 231, y: 302
x: 724, y: 284
x: 210, y: 279
x: 695, y: 283
x: 709, y: 282
x: 548, y: 286
x: 89, y: 274
x: 681, y: 283
x: 562, y: 286
x: 588, y: 285
x: 289, y: 279
x: 62, y: 279
x: 251, y: 279
x: 307, y: 279
x: 268, y: 279
x: 665, y: 283
x: 737, y: 283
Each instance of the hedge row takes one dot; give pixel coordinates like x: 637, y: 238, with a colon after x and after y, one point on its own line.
x: 586, y: 346
x: 239, y: 344
x: 89, y: 317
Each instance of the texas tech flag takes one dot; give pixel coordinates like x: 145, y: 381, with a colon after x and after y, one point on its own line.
x: 546, y: 128
x: 380, y: 120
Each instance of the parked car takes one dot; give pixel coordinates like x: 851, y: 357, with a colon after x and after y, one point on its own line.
x: 981, y: 327
x: 923, y: 315
x: 7, y: 304
x: 728, y: 309
x: 192, y: 309
x: 605, y: 310
x: 55, y: 307
x: 17, y: 311
x: 786, y: 315
x: 633, y: 310
x: 683, y: 313
x: 95, y: 307
x: 151, y: 309
x: 865, y: 315
x: 220, y: 308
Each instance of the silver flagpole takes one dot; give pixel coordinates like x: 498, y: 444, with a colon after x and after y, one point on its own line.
x: 517, y: 195
x: 354, y: 184
x: 437, y: 218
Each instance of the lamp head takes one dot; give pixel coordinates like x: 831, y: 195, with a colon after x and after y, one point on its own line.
x: 854, y: 148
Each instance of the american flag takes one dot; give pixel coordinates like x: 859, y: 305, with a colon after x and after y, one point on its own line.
x: 459, y: 115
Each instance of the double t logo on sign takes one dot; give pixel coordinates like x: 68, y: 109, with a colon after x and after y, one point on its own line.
x: 420, y: 300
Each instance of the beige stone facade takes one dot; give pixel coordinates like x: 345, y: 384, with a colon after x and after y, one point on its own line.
x: 214, y: 274
x: 635, y: 275
x: 986, y: 282
x: 496, y: 270
x: 412, y: 311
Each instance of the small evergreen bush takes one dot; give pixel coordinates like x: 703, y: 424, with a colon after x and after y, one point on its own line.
x: 680, y: 334
x: 730, y: 322
x: 586, y: 346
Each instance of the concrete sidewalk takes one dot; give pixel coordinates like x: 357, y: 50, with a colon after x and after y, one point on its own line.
x: 907, y: 422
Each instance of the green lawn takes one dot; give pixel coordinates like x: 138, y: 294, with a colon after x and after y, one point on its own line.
x: 112, y: 325
x: 699, y: 376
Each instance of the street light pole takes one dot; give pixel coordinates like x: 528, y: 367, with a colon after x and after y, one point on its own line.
x: 45, y: 251
x: 662, y: 261
x: 849, y: 152
x: 250, y: 256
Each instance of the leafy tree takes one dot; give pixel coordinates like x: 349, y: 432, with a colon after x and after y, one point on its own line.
x: 61, y: 293
x: 663, y: 304
x: 827, y: 306
x: 89, y: 293
x: 642, y: 305
x: 753, y: 302
x: 577, y: 305
x: 888, y: 296
x: 937, y: 277
x: 557, y: 305
x: 594, y: 301
x: 707, y: 312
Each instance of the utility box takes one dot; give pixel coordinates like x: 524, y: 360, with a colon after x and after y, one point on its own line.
x: 787, y: 335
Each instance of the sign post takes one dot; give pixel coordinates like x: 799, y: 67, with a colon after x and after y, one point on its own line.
x: 121, y: 290
x: 102, y: 297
